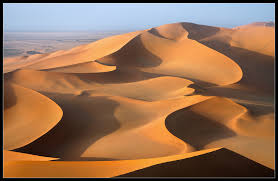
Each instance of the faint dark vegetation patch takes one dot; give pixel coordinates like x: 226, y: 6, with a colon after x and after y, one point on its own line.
x: 8, y: 52
x: 269, y: 24
x: 33, y: 52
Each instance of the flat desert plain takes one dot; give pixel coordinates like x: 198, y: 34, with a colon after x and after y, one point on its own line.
x: 178, y: 100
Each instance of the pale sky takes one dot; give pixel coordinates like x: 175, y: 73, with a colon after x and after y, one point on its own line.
x: 129, y: 16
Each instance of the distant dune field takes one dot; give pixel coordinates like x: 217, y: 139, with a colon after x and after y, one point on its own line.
x: 178, y: 100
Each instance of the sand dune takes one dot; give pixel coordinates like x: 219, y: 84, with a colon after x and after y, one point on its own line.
x: 88, y: 67
x: 256, y: 37
x: 205, y: 122
x: 211, y: 164
x: 257, y: 66
x: 127, y: 104
x: 186, y: 58
x: 86, y: 168
x: 16, y: 156
x: 205, y: 163
x: 80, y: 54
x: 220, y: 121
x: 149, y: 90
x: 170, y: 31
x: 28, y: 112
x: 108, y: 128
x: 146, y: 86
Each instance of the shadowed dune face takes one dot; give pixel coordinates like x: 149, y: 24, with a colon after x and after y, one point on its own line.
x: 80, y: 54
x: 257, y: 66
x: 198, y: 32
x: 85, y: 120
x: 89, y: 130
x: 10, y: 98
x: 220, y: 121
x: 90, y: 169
x: 133, y: 54
x: 213, y: 164
x: 170, y: 31
x: 196, y: 129
x: 204, y: 122
x: 153, y: 54
x: 258, y: 69
x: 246, y: 45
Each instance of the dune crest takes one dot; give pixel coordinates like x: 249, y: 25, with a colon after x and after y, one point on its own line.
x: 254, y: 37
x: 85, y: 169
x: 88, y: 67
x: 186, y: 58
x: 16, y: 156
x: 173, y: 31
x: 80, y: 54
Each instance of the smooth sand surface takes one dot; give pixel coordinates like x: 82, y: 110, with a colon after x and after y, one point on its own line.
x: 225, y: 122
x: 201, y: 166
x: 185, y: 58
x: 27, y: 115
x: 136, y: 100
x: 255, y: 37
x: 75, y: 169
x: 88, y: 67
x: 80, y: 54
x: 16, y: 156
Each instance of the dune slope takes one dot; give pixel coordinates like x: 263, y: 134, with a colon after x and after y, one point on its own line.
x: 27, y: 115
x: 212, y: 164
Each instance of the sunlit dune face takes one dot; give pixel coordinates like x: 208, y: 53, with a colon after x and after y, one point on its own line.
x: 27, y: 115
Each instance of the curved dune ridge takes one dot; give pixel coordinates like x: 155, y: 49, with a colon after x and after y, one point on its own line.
x: 227, y: 127
x: 80, y: 54
x: 185, y: 58
x: 87, y: 67
x: 87, y: 168
x: 144, y: 102
x: 28, y: 112
x: 16, y: 156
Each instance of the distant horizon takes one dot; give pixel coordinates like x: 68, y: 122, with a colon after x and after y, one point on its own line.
x: 111, y: 30
x: 90, y: 17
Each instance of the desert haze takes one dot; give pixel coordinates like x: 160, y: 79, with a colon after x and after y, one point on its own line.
x: 177, y: 100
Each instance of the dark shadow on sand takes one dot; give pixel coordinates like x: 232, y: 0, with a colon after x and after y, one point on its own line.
x: 9, y: 96
x: 219, y: 163
x: 198, y: 32
x: 196, y: 129
x: 80, y: 126
x: 257, y: 68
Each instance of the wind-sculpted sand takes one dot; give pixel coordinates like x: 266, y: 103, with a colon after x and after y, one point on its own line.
x: 157, y: 102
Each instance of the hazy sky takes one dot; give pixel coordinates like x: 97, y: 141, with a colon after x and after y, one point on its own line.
x: 129, y: 16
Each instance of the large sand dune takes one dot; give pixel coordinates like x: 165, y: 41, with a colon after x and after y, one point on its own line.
x: 157, y: 102
x: 185, y: 58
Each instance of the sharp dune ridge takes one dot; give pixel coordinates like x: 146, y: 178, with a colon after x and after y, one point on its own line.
x: 156, y: 102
